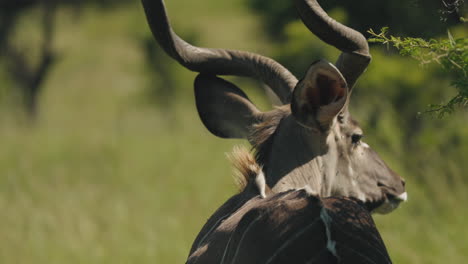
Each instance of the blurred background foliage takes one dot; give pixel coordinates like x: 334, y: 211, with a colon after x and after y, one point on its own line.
x: 112, y: 165
x: 29, y: 64
x: 403, y: 17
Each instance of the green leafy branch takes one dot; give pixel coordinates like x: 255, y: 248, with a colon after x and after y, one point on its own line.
x: 451, y: 54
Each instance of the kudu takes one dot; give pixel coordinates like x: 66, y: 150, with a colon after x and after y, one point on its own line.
x: 311, y: 141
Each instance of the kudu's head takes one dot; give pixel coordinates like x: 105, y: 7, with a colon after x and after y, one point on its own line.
x: 310, y: 140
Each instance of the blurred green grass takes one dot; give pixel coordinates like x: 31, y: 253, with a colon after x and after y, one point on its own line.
x: 101, y: 177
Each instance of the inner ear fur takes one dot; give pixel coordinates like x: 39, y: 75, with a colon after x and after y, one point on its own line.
x: 319, y: 96
x: 224, y: 109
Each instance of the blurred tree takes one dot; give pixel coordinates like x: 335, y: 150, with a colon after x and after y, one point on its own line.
x: 161, y: 88
x: 27, y: 76
x: 162, y: 71
x: 28, y: 71
x: 407, y: 18
x: 451, y: 54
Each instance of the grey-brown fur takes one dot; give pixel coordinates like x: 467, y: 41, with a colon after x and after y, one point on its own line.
x: 294, y: 227
x: 261, y: 134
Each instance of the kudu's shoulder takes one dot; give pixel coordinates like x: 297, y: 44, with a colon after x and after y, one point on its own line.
x: 294, y: 227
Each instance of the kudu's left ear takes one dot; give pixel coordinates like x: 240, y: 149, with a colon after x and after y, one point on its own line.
x: 319, y: 96
x: 224, y: 109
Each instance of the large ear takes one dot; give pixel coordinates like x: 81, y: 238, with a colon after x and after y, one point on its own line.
x: 319, y: 96
x: 224, y: 109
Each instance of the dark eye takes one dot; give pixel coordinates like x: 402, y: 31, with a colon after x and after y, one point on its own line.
x: 356, y: 138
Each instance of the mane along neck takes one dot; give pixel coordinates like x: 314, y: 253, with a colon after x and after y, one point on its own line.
x: 308, y: 158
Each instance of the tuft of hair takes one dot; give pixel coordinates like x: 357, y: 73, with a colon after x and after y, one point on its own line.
x: 246, y: 168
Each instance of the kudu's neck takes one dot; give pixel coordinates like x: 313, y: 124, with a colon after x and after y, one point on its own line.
x: 301, y: 157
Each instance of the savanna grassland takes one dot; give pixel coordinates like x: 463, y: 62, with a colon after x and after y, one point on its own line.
x: 109, y: 172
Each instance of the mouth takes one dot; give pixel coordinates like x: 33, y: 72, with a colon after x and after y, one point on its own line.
x: 390, y: 203
x: 402, y: 197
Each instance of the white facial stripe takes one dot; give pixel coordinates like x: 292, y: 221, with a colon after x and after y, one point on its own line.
x: 364, y: 145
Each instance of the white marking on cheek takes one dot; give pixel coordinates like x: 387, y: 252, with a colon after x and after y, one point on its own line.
x: 364, y: 145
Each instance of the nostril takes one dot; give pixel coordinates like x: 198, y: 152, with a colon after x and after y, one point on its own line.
x: 403, y: 182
